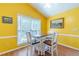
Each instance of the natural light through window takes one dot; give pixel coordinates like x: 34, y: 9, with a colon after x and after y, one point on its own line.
x: 27, y: 24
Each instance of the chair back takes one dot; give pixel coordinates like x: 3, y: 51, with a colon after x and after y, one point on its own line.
x: 29, y: 37
x: 54, y: 37
x: 54, y: 43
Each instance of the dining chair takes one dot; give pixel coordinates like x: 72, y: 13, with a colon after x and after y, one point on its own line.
x: 30, y: 40
x: 54, y: 44
x: 42, y: 46
x: 51, y: 40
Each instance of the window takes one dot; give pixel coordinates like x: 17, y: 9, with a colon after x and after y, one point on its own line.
x: 35, y: 27
x: 27, y: 24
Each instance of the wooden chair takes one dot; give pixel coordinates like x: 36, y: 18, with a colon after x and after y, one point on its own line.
x: 52, y: 44
x: 30, y: 41
x: 42, y: 46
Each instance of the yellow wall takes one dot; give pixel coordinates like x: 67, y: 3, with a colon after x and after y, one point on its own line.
x: 71, y: 26
x: 11, y: 29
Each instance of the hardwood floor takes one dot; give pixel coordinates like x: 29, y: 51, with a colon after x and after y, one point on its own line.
x: 65, y: 51
x: 62, y: 51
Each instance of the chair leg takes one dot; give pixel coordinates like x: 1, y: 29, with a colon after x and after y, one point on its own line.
x: 38, y: 52
x: 56, y: 52
x: 41, y: 53
x: 44, y: 53
x: 33, y: 51
x: 52, y: 53
x: 51, y: 49
x: 27, y: 51
x: 30, y: 48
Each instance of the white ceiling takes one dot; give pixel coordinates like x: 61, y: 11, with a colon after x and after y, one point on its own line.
x: 54, y: 8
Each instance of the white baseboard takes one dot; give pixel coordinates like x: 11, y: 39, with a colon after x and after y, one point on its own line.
x: 69, y: 46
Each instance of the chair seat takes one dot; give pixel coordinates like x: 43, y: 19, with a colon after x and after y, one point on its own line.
x: 48, y: 42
